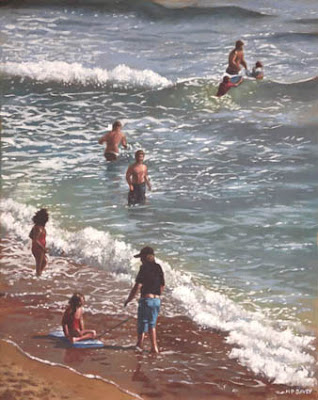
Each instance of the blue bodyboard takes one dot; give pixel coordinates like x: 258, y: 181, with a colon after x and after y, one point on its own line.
x: 82, y: 344
x: 236, y: 78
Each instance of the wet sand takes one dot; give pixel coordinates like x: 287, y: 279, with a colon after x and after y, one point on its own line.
x: 194, y: 362
x: 24, y: 378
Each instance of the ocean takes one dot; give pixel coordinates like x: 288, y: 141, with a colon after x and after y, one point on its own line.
x: 232, y: 214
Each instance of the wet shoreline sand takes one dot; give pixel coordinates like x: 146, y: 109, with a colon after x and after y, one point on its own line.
x: 193, y: 363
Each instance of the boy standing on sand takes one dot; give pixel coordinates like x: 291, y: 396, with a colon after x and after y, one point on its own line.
x: 150, y: 281
x: 137, y: 178
x: 113, y: 139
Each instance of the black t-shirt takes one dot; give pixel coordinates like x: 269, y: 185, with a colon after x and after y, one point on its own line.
x: 151, y: 277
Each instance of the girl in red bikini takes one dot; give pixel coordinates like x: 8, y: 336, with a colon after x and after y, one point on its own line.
x: 38, y: 236
x: 73, y: 323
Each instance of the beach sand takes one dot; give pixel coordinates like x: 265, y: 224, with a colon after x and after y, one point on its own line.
x: 24, y: 378
x: 194, y: 363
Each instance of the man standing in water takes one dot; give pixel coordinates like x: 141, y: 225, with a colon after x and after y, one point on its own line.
x: 113, y: 139
x: 137, y: 178
x: 236, y: 59
x: 150, y: 281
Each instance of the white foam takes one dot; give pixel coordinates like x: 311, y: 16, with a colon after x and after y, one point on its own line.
x: 278, y: 353
x: 75, y: 73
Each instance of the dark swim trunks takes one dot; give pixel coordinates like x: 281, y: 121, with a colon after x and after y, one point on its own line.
x: 232, y: 71
x: 111, y: 155
x: 138, y: 195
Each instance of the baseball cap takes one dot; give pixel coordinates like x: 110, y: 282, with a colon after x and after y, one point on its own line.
x: 144, y: 252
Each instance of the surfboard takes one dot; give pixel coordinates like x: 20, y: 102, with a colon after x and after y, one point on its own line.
x: 82, y: 344
x: 236, y: 78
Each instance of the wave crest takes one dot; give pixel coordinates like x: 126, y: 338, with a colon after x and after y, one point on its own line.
x: 75, y: 73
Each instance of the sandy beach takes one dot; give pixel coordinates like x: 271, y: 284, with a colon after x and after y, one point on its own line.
x: 185, y: 350
x: 22, y: 377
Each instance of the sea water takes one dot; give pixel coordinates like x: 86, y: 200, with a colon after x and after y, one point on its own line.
x: 232, y: 214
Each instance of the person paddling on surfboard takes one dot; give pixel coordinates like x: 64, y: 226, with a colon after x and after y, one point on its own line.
x: 236, y: 59
x: 226, y: 85
x: 73, y: 322
x: 257, y: 71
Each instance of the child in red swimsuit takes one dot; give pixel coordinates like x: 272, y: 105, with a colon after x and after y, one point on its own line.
x: 38, y: 236
x: 226, y: 85
x: 73, y: 323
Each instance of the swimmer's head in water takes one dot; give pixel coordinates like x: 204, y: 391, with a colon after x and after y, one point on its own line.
x: 258, y: 64
x: 239, y: 44
x: 41, y: 217
x: 117, y: 124
x: 138, y: 153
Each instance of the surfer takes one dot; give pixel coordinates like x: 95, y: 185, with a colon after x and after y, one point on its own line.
x: 38, y: 236
x: 113, y: 139
x: 257, y: 71
x: 150, y: 281
x: 73, y: 322
x: 236, y: 59
x: 137, y: 179
x: 226, y: 85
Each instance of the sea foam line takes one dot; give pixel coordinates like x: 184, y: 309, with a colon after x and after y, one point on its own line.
x: 54, y: 364
x: 279, y: 354
x: 75, y: 73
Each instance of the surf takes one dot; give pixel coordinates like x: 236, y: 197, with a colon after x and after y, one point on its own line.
x: 265, y: 346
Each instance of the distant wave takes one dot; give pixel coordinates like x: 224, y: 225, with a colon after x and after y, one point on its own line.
x: 75, y: 73
x: 279, y: 354
x: 156, y: 9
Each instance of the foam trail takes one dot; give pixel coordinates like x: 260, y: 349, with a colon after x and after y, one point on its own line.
x: 279, y: 354
x: 75, y: 73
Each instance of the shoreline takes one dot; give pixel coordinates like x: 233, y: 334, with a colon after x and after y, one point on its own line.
x: 194, y: 362
x: 22, y: 376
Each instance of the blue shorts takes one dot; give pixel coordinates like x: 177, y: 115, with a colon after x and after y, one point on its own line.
x: 148, y: 311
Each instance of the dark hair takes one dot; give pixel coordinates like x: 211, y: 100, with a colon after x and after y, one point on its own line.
x: 258, y: 64
x: 239, y: 43
x: 41, y: 217
x: 76, y: 301
x: 226, y: 78
x: 117, y: 124
x: 139, y: 152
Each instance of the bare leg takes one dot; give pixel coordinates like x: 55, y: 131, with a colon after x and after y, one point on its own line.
x: 86, y: 334
x: 140, y: 342
x: 44, y: 263
x: 153, y: 339
x: 40, y: 259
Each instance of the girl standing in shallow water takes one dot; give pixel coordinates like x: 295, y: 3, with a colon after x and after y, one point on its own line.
x: 73, y: 323
x: 38, y: 236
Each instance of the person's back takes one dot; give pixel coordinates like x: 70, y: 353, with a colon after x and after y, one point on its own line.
x: 113, y: 140
x: 236, y: 59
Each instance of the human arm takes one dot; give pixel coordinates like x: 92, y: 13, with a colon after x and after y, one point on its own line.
x: 103, y: 139
x: 243, y: 62
x: 136, y: 288
x: 65, y: 324
x: 147, y: 180
x: 238, y: 83
x: 128, y: 178
x: 124, y: 142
